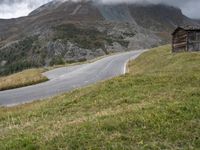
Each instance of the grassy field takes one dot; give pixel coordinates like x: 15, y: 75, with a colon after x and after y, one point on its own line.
x: 155, y: 106
x: 24, y: 78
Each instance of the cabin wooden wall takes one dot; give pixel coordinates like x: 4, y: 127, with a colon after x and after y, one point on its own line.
x: 194, y: 41
x: 179, y: 41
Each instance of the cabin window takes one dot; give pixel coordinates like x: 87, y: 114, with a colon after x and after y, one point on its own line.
x: 192, y: 36
x: 196, y: 47
x: 198, y: 36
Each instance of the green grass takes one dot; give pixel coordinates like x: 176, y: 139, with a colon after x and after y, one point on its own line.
x: 21, y: 79
x: 155, y: 106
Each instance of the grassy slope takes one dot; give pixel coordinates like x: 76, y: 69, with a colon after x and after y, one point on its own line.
x: 155, y: 106
x: 24, y: 78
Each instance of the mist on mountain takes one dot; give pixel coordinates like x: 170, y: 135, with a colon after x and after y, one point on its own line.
x: 18, y: 8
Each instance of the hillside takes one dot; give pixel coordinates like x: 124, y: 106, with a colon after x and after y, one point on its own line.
x: 155, y: 106
x: 66, y: 32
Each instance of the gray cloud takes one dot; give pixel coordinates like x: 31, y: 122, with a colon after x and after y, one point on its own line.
x: 16, y: 8
x: 28, y: 3
x: 190, y: 8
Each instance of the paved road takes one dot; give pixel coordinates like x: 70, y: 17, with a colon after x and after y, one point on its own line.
x: 69, y: 78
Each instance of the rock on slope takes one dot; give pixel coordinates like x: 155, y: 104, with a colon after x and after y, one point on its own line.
x: 66, y: 31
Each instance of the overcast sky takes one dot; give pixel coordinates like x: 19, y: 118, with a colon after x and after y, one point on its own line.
x: 17, y: 8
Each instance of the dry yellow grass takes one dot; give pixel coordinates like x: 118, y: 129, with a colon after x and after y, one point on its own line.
x: 24, y: 78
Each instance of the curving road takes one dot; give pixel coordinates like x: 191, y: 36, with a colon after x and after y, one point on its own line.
x: 69, y: 78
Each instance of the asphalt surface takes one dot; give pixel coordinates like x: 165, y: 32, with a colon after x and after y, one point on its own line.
x: 69, y: 78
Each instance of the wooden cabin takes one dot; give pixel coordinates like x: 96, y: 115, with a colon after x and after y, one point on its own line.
x: 186, y: 39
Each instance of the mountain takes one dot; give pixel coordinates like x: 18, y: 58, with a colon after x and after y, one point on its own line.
x: 67, y: 31
x: 197, y: 20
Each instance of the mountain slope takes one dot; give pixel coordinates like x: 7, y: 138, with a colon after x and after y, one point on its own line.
x: 159, y: 17
x: 60, y: 32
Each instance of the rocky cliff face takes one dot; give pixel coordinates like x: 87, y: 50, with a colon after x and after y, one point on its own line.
x: 60, y: 32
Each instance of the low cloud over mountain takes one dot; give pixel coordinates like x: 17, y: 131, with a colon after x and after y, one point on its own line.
x: 17, y: 8
x: 189, y: 7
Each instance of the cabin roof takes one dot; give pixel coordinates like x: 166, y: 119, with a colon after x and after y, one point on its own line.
x: 187, y: 28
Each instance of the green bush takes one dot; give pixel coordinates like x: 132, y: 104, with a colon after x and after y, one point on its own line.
x: 57, y: 61
x: 21, y: 55
x: 88, y: 38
